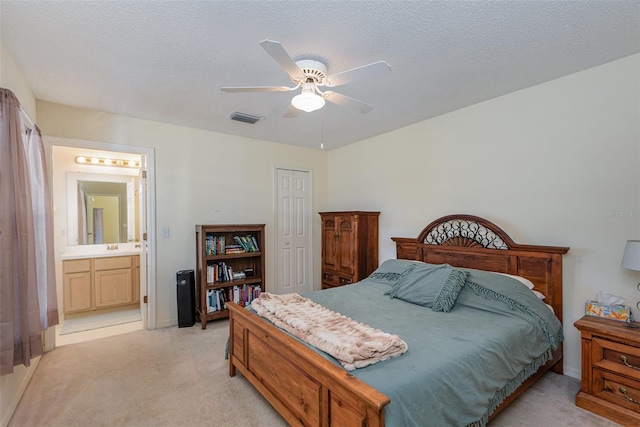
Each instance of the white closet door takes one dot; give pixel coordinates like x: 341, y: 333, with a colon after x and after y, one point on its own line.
x: 294, y: 232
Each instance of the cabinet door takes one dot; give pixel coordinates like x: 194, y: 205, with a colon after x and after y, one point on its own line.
x: 136, y: 279
x: 77, y: 292
x: 329, y: 243
x: 113, y: 287
x: 346, y: 226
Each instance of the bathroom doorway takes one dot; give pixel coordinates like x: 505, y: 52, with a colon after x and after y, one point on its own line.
x: 107, y: 294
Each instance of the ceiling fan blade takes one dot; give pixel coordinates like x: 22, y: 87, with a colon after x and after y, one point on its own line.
x: 292, y: 112
x: 346, y: 101
x: 375, y: 69
x: 257, y: 89
x: 281, y: 56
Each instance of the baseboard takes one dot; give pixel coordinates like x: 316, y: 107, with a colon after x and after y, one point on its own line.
x: 167, y: 323
x: 573, y: 373
x: 6, y: 416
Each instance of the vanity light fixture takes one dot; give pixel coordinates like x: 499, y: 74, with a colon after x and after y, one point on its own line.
x: 105, y: 161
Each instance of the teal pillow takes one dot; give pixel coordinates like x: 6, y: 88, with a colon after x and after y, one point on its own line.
x: 429, y: 285
x: 392, y: 270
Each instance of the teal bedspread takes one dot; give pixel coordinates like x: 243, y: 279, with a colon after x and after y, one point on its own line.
x: 460, y: 364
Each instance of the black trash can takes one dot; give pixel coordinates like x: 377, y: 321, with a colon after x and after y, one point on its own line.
x: 186, y: 297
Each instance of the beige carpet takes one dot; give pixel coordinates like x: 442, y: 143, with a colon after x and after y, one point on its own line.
x: 178, y: 377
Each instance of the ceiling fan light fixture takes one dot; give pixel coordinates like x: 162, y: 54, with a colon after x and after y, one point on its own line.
x: 312, y: 75
x: 308, y: 100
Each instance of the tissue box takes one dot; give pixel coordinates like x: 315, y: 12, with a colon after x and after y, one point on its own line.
x: 614, y: 312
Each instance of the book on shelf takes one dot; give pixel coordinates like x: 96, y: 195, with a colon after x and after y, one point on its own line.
x: 248, y: 243
x: 209, y: 245
x: 242, y: 295
x: 235, y: 249
x: 216, y: 300
x: 245, y: 294
x: 220, y: 272
x: 241, y: 243
x: 215, y: 245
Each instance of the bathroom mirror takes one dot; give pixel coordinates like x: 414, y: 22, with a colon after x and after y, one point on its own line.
x: 101, y: 209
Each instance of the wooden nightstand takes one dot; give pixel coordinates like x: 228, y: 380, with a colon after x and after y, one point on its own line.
x: 610, y: 370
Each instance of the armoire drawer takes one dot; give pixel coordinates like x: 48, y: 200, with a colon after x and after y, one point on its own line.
x: 331, y: 279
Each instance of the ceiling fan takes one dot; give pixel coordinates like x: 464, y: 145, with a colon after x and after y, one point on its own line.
x: 310, y: 75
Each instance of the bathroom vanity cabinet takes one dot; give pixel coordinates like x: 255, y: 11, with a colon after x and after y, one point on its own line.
x: 92, y: 284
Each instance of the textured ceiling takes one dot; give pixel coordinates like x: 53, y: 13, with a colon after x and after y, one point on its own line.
x: 167, y: 60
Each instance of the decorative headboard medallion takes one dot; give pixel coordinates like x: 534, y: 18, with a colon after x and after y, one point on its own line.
x: 465, y: 231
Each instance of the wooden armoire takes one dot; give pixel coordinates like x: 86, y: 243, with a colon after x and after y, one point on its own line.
x: 349, y: 246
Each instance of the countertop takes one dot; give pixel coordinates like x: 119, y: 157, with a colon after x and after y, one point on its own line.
x: 100, y: 251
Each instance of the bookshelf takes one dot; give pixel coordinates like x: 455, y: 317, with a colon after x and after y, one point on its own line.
x: 229, y: 267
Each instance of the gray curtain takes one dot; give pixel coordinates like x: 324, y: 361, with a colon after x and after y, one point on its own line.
x: 28, y: 301
x: 43, y: 229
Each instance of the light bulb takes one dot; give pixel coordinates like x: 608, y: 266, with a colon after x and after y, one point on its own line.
x: 308, y: 100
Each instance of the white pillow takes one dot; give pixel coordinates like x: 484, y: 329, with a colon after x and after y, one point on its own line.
x: 538, y: 294
x: 528, y: 283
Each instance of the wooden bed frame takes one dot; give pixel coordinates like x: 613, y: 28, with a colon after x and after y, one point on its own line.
x: 307, y: 389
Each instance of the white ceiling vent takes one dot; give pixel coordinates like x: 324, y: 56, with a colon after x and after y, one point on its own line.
x: 245, y: 118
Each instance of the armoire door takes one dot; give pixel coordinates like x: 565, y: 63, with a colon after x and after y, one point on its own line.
x: 346, y: 243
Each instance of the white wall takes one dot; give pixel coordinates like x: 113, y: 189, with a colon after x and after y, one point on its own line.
x: 201, y: 177
x: 11, y: 78
x: 12, y: 386
x: 555, y: 164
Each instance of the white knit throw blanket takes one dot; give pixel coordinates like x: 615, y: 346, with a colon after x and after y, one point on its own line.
x: 353, y: 344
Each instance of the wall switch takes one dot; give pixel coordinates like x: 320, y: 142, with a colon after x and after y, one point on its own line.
x: 164, y: 232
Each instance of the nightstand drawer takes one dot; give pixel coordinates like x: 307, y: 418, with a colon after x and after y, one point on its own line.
x: 616, y: 357
x: 619, y: 390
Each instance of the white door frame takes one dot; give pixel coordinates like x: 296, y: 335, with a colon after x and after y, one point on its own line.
x: 309, y: 202
x: 147, y: 263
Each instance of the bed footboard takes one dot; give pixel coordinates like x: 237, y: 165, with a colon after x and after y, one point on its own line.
x: 304, y: 387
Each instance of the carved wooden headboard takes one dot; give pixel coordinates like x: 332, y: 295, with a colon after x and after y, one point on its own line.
x: 473, y: 242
